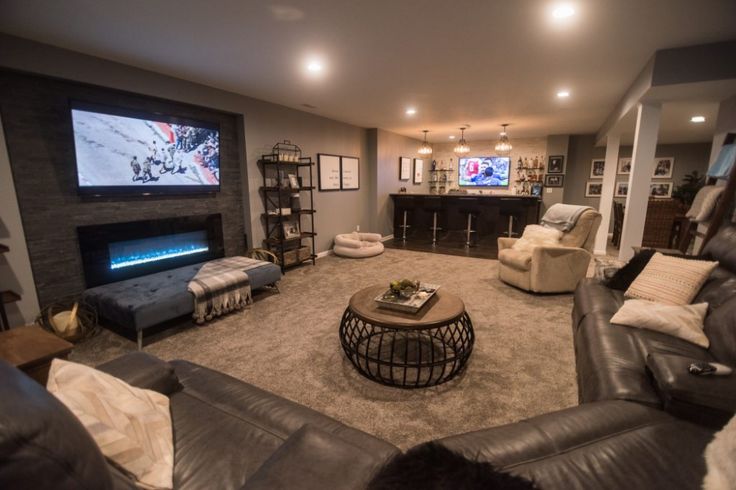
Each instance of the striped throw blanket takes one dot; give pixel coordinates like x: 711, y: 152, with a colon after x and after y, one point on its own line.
x: 222, y: 286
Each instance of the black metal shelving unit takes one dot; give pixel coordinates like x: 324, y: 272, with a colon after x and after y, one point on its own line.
x: 286, y: 158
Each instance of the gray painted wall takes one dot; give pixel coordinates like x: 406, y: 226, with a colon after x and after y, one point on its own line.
x: 688, y: 157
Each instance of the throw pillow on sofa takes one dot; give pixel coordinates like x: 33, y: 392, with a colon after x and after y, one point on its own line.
x: 682, y: 321
x: 132, y: 426
x: 537, y: 236
x: 670, y: 280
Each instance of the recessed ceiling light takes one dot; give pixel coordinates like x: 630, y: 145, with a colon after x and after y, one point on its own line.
x: 315, y: 66
x: 563, y: 11
x: 697, y: 119
x: 452, y: 136
x: 411, y: 111
x: 563, y: 94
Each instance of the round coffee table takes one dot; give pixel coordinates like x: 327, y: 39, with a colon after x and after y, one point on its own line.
x: 403, y: 349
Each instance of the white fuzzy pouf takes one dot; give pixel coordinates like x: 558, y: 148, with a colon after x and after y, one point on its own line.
x: 720, y: 458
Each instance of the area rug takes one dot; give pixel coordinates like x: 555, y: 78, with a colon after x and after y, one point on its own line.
x: 522, y: 364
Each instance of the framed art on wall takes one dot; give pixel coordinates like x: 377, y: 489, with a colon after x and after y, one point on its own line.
x: 328, y: 170
x: 597, y: 167
x: 554, y: 180
x: 660, y: 190
x: 593, y: 189
x: 663, y: 168
x: 624, y: 166
x: 404, y: 168
x: 622, y: 189
x: 418, y: 170
x: 556, y: 164
x: 349, y: 173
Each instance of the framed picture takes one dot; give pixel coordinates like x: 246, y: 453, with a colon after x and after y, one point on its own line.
x: 554, y: 180
x: 624, y: 166
x: 404, y: 168
x: 349, y: 173
x: 660, y: 190
x: 418, y: 170
x: 597, y: 167
x: 556, y: 164
x: 593, y: 189
x: 536, y: 190
x: 291, y: 229
x: 328, y: 170
x: 663, y: 168
x: 622, y: 189
x: 293, y: 181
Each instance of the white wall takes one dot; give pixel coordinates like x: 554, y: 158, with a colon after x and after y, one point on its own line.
x: 15, y: 266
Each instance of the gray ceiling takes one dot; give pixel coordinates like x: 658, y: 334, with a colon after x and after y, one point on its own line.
x: 480, y: 62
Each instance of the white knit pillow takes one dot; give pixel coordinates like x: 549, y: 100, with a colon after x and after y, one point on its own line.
x: 537, y: 236
x: 682, y: 321
x: 670, y: 280
x: 720, y: 458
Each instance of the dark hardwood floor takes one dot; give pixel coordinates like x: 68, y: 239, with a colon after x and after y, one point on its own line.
x: 452, y: 243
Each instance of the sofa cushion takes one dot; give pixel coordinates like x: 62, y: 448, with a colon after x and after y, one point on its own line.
x: 720, y: 328
x: 671, y: 280
x: 42, y: 444
x: 132, y: 426
x: 145, y: 371
x: 518, y: 259
x: 226, y: 429
x: 312, y: 459
x: 604, y: 445
x: 592, y: 295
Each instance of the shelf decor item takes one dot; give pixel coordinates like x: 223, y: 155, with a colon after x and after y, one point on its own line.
x: 349, y: 173
x: 406, y: 296
x: 328, y: 172
x: 282, y: 204
x: 404, y: 168
x: 426, y: 148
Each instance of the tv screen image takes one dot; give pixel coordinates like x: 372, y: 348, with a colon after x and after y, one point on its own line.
x: 127, y: 152
x: 484, y: 171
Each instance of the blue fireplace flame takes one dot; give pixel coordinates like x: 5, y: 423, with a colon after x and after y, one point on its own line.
x: 136, y: 252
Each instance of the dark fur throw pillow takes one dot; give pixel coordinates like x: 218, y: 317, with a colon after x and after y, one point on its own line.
x: 434, y: 467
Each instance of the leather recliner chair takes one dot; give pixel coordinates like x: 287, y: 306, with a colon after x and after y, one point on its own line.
x: 550, y: 269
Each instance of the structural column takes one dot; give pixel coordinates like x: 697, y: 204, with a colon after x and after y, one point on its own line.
x: 642, y: 165
x: 609, y: 184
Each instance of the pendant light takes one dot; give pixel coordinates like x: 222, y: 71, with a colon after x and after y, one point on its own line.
x: 462, y: 147
x: 426, y: 148
x: 503, y: 145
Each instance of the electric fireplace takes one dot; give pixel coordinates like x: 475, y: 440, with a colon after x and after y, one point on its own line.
x: 118, y: 251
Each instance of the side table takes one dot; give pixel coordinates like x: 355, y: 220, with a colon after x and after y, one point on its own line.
x: 31, y: 349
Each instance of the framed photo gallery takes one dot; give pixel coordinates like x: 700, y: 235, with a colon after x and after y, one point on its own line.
x: 662, y: 169
x: 337, y: 172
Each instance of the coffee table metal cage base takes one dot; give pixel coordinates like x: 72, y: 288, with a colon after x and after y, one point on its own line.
x: 405, y: 357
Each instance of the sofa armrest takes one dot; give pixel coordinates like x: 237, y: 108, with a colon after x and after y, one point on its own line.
x: 144, y: 371
x: 709, y: 400
x: 505, y: 242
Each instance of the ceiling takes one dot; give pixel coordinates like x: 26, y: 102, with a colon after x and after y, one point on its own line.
x: 473, y: 62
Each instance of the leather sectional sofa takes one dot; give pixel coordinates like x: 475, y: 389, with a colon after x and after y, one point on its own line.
x: 643, y: 422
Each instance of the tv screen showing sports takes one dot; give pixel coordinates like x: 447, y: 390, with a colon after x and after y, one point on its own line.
x: 119, y: 151
x: 484, y: 171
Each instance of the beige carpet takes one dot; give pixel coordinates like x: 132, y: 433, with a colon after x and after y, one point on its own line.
x: 522, y: 364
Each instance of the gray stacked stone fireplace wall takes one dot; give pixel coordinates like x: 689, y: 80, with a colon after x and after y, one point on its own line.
x: 38, y: 131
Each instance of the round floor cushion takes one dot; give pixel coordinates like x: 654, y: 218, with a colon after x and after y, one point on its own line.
x: 358, y: 245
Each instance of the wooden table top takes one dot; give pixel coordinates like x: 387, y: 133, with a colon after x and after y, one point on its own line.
x: 31, y: 345
x: 443, y: 308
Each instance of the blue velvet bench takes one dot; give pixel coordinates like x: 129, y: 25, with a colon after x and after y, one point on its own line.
x: 145, y: 301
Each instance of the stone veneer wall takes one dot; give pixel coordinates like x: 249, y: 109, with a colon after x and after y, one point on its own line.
x: 38, y: 131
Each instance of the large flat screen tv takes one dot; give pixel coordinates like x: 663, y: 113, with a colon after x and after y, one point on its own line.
x: 120, y: 151
x: 484, y: 171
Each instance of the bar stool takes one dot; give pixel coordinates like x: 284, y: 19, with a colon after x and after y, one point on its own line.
x: 434, y: 205
x: 469, y: 206
x: 511, y: 214
x: 404, y: 205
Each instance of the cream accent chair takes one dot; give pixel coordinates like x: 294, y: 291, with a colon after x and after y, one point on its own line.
x: 551, y: 269
x: 358, y: 245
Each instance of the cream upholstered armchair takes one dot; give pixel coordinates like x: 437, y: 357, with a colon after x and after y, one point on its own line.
x: 551, y: 269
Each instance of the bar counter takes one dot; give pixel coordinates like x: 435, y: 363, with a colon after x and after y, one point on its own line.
x: 493, y: 216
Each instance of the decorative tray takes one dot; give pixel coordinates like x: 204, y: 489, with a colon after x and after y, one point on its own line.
x: 412, y: 304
